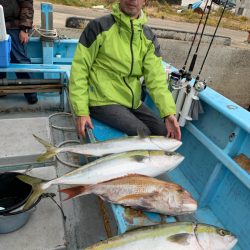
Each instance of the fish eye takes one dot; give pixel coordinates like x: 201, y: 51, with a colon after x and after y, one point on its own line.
x: 222, y: 232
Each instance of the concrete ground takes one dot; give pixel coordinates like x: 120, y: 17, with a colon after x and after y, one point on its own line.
x: 46, y: 229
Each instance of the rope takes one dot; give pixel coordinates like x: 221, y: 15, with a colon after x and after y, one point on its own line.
x: 51, y: 34
x: 196, y: 237
x: 51, y: 196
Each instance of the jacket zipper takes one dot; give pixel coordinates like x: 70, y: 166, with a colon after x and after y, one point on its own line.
x: 131, y: 47
x: 132, y: 62
x: 130, y: 91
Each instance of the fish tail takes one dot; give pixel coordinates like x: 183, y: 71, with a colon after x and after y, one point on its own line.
x: 51, y: 150
x: 75, y: 191
x: 38, y: 187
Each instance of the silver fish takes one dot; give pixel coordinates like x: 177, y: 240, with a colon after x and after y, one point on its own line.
x: 150, y: 163
x: 172, y: 236
x: 113, y: 146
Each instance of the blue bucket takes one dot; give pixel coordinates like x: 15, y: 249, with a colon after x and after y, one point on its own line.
x: 5, y: 47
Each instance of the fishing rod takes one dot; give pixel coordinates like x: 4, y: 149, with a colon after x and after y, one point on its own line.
x: 176, y: 77
x: 211, y: 42
x: 191, y: 67
x: 179, y: 81
x: 187, y: 100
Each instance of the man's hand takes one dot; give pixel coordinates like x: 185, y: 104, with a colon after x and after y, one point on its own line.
x: 173, y: 128
x: 24, y: 37
x: 82, y: 122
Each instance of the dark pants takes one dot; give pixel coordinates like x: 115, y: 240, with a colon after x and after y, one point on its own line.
x: 18, y: 55
x: 129, y: 121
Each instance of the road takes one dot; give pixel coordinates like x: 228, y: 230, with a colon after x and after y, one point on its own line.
x: 62, y: 12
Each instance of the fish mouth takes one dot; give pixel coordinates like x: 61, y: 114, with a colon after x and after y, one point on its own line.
x: 175, y: 156
x: 178, y: 158
x: 181, y: 158
x: 189, y: 204
x: 190, y: 207
x: 176, y: 146
x: 233, y: 241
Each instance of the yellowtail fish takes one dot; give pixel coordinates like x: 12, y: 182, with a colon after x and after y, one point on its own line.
x: 113, y: 146
x: 150, y: 163
x: 172, y: 236
x: 140, y: 192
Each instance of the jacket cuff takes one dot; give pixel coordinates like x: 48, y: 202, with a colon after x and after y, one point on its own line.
x: 165, y: 115
x: 80, y: 112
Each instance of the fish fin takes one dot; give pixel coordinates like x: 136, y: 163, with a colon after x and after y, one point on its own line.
x: 141, y: 134
x: 75, y: 191
x: 181, y: 238
x: 37, y: 189
x: 139, y: 158
x: 136, y: 196
x: 51, y: 150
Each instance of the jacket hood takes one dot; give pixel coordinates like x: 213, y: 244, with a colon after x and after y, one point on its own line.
x: 124, y: 20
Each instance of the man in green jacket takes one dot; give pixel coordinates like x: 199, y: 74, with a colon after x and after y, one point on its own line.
x: 113, y: 53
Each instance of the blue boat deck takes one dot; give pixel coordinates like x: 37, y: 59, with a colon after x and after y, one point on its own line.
x: 208, y: 172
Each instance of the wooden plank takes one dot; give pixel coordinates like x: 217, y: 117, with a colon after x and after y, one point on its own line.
x: 31, y: 88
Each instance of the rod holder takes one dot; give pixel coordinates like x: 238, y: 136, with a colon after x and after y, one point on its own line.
x: 180, y: 101
x: 192, y: 95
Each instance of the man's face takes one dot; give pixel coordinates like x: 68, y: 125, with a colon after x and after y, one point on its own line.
x: 132, y: 7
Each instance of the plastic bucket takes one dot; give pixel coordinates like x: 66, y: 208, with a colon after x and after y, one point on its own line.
x: 12, y: 222
x: 13, y: 195
x: 13, y: 192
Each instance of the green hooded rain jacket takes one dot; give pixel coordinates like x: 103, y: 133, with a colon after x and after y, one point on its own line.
x: 113, y: 52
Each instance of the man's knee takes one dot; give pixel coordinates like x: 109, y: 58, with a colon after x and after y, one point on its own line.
x: 134, y: 129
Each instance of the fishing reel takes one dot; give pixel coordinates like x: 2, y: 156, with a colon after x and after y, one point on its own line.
x: 176, y: 81
x: 200, y: 86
